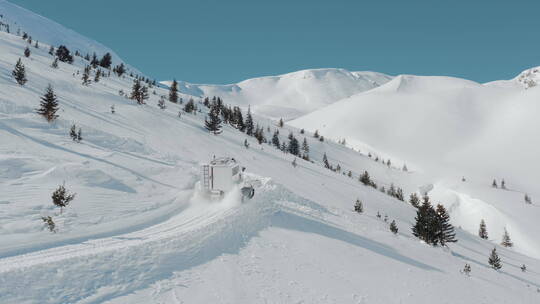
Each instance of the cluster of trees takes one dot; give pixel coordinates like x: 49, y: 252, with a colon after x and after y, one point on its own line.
x: 76, y: 135
x: 482, y: 233
x: 433, y: 224
x: 494, y: 184
x: 395, y: 192
x: 139, y: 92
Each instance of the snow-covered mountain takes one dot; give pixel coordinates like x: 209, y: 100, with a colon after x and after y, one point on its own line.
x: 138, y: 231
x: 290, y: 95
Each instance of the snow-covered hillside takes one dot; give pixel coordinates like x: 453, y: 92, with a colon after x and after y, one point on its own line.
x: 291, y: 95
x: 139, y: 232
x: 19, y: 19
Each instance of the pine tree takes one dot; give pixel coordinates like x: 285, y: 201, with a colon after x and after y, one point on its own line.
x: 467, y: 269
x: 446, y: 230
x: 213, y: 123
x: 294, y: 163
x: 19, y: 73
x: 246, y: 143
x: 275, y: 140
x: 50, y: 223
x: 280, y: 123
x: 73, y: 132
x: 61, y: 197
x: 358, y: 206
x: 94, y: 62
x: 86, y: 76
x: 249, y: 122
x: 325, y: 161
x: 51, y: 50
x: 62, y: 52
x: 426, y: 227
x: 106, y: 61
x: 283, y: 147
x: 189, y: 107
x: 321, y: 139
x: 365, y: 179
x: 305, y: 149
x: 482, y: 231
x: 294, y: 147
x: 494, y: 184
x: 527, y: 199
x: 506, y: 242
x: 503, y: 184
x: 48, y: 105
x: 161, y: 103
x: 405, y: 169
x: 112, y: 109
x: 414, y: 200
x: 79, y: 135
x: 27, y: 52
x: 97, y: 76
x: 393, y: 227
x: 523, y: 268
x: 259, y: 134
x: 173, y: 92
x: 139, y: 92
x: 120, y: 69
x: 494, y: 260
x: 54, y: 64
x: 316, y: 134
x: 36, y: 45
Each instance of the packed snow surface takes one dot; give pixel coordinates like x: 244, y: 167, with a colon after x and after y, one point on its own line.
x: 139, y: 232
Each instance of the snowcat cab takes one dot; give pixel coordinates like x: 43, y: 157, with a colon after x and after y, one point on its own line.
x: 221, y: 175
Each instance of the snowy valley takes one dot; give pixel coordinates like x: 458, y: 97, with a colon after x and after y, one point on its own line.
x: 139, y: 231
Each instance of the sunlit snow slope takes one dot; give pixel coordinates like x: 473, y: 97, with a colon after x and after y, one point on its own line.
x: 138, y: 232
x: 291, y: 95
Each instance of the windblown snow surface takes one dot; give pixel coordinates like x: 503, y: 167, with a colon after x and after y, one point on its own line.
x: 138, y: 232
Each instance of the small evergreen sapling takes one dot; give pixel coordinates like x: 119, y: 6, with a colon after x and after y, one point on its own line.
x: 494, y: 261
x: 173, y: 92
x: 48, y: 105
x: 467, y: 269
x: 506, y: 242
x: 482, y: 231
x: 523, y: 268
x: 50, y: 223
x: 393, y: 227
x: 27, y: 52
x: 19, y: 73
x: 528, y: 199
x: 61, y: 197
x: 358, y: 206
x: 494, y: 184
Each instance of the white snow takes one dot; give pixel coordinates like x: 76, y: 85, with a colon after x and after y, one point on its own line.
x: 137, y: 232
x: 290, y: 95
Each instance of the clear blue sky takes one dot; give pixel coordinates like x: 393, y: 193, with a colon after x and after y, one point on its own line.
x: 225, y: 41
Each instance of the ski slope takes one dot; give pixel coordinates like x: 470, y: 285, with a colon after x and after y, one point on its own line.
x: 138, y: 232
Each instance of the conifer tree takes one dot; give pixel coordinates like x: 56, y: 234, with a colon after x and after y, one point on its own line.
x: 27, y: 52
x: 494, y: 184
x: 321, y: 139
x: 106, y: 61
x: 86, y: 76
x: 139, y: 92
x: 358, y: 206
x: 316, y: 134
x: 54, y: 64
x: 283, y: 147
x: 249, y: 122
x: 173, y: 92
x: 280, y: 123
x: 503, y: 184
x: 161, y: 103
x: 523, y: 268
x: 246, y: 143
x: 79, y: 135
x: 482, y: 231
x: 48, y: 105
x: 506, y: 242
x: 259, y: 134
x: 50, y: 223
x: 393, y: 227
x: 365, y: 179
x: 426, y: 227
x: 213, y: 123
x: 189, y: 107
x: 305, y: 149
x: 414, y: 200
x: 61, y: 197
x: 120, y: 69
x: 293, y: 146
x: 527, y: 199
x: 36, y: 45
x: 112, y: 109
x: 19, y: 73
x: 275, y: 140
x: 467, y: 269
x: 446, y: 230
x: 51, y: 50
x: 294, y: 164
x: 325, y: 162
x: 94, y: 62
x: 97, y: 76
x: 494, y: 261
x: 63, y: 54
x: 73, y: 132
